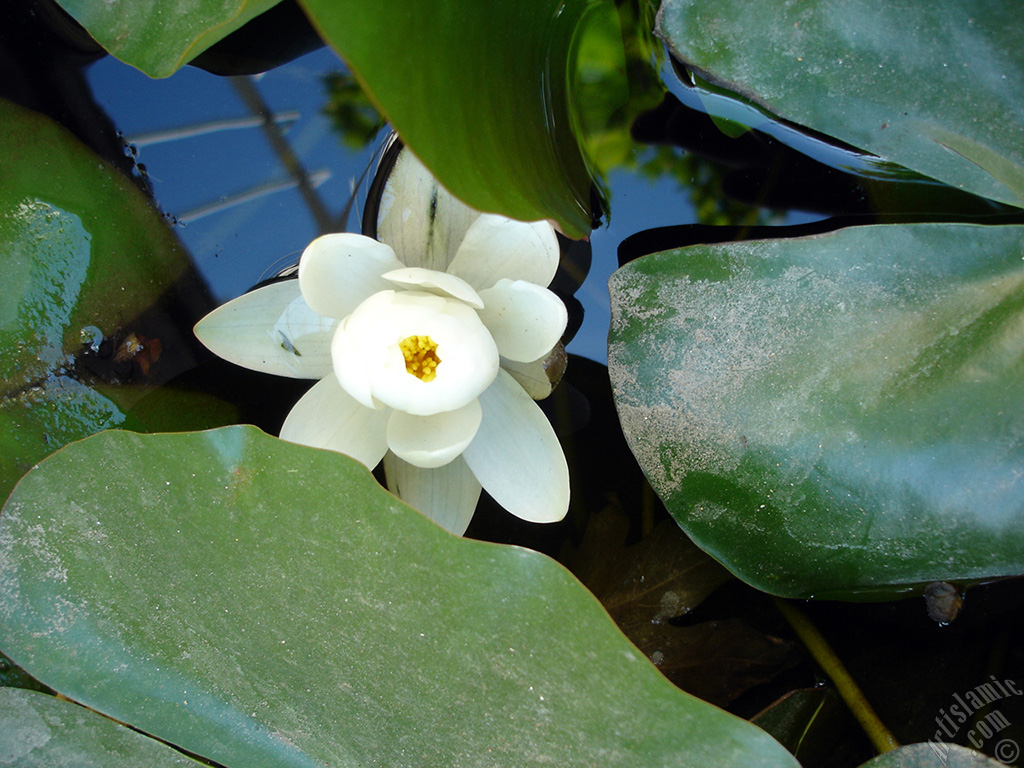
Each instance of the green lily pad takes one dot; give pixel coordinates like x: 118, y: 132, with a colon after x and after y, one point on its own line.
x: 933, y: 86
x: 41, y: 731
x: 837, y: 416
x: 82, y: 252
x: 262, y: 603
x: 158, y: 37
x: 479, y: 91
x: 938, y: 755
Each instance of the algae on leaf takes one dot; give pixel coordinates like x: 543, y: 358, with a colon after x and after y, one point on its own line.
x: 255, y: 602
x: 836, y: 416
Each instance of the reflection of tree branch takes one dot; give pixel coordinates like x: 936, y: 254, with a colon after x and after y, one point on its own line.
x: 254, y: 101
x: 254, y: 193
x: 204, y: 129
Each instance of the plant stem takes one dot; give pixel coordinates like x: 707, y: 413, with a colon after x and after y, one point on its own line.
x: 848, y: 690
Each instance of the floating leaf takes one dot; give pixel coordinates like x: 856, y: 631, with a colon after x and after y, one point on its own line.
x: 936, y: 755
x: 257, y: 602
x: 158, y: 38
x: 933, y: 86
x: 41, y: 731
x: 836, y: 416
x: 82, y: 253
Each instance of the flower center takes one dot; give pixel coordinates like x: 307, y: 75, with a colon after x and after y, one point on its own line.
x: 420, y: 353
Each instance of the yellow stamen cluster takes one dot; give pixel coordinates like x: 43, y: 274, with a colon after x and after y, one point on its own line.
x: 420, y: 353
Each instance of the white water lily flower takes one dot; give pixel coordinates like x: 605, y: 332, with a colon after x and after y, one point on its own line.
x: 409, y: 344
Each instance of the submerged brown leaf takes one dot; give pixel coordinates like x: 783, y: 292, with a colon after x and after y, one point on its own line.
x: 664, y: 576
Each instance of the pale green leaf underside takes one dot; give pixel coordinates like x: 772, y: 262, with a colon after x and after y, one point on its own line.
x: 937, y: 87
x: 260, y: 603
x: 160, y: 36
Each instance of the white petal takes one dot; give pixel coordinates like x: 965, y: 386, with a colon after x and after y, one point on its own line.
x: 525, y: 319
x: 419, y: 218
x: 530, y: 376
x: 337, y: 272
x: 327, y: 417
x: 516, y: 456
x: 354, y: 361
x: 271, y: 330
x: 497, y: 247
x: 433, y: 441
x: 439, y: 283
x: 369, y: 362
x: 539, y: 377
x: 447, y: 495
